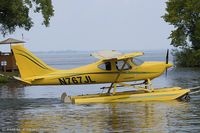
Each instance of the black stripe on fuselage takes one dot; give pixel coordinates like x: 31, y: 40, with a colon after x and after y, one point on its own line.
x: 30, y: 56
x: 32, y: 60
x: 79, y: 74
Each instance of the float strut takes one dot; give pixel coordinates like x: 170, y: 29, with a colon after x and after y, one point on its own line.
x: 118, y: 75
x: 148, y: 85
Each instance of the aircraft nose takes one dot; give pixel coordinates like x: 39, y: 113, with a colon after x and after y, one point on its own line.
x: 169, y: 65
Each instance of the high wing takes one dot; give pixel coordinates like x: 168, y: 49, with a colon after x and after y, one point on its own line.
x: 130, y: 55
x: 106, y: 55
x: 114, y: 55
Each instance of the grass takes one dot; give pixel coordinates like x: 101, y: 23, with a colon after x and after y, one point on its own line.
x: 5, y: 77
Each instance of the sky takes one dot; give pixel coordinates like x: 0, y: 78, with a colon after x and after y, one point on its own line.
x: 89, y: 25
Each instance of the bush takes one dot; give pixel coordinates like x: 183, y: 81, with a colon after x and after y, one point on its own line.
x: 3, y: 79
x: 186, y: 57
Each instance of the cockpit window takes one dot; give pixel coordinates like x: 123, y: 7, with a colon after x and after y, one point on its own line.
x: 137, y: 61
x: 105, y: 66
x: 119, y: 65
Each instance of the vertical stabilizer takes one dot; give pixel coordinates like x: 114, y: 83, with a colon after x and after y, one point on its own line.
x: 29, y: 65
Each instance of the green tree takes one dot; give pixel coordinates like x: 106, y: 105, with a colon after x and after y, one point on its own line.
x: 184, y: 15
x: 16, y: 14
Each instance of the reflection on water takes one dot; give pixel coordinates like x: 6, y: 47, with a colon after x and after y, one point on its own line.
x: 11, y: 90
x: 51, y: 115
x: 185, y: 77
x: 38, y: 108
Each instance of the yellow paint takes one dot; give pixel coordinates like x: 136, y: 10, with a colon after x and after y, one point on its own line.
x: 35, y: 72
x: 162, y: 94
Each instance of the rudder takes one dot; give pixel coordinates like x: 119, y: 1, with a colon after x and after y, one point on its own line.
x: 29, y: 65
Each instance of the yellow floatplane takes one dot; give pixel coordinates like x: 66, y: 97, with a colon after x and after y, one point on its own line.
x: 113, y: 67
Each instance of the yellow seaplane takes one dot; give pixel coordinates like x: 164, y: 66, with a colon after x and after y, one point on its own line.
x: 113, y: 67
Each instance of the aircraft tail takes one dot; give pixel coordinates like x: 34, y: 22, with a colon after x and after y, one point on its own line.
x: 29, y: 65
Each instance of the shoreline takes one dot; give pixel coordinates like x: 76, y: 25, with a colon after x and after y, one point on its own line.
x: 6, y: 77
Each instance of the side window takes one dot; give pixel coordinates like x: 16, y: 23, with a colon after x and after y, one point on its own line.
x: 105, y: 66
x: 119, y: 65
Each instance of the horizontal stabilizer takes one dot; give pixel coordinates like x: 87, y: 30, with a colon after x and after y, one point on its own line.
x: 19, y: 79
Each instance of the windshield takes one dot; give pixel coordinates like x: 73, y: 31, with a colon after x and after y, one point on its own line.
x: 137, y: 61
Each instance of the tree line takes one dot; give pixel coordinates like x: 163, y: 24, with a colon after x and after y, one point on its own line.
x: 184, y: 15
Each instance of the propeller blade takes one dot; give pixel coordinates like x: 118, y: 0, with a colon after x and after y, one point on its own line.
x: 167, y: 57
x: 167, y: 61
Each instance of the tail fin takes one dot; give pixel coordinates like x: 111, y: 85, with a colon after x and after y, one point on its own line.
x: 29, y: 65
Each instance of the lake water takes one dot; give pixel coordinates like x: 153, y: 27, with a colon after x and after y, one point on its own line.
x: 38, y: 108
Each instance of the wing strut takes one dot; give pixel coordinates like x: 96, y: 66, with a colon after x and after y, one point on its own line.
x: 118, y: 75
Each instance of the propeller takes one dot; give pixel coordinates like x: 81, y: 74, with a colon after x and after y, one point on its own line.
x: 167, y: 61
